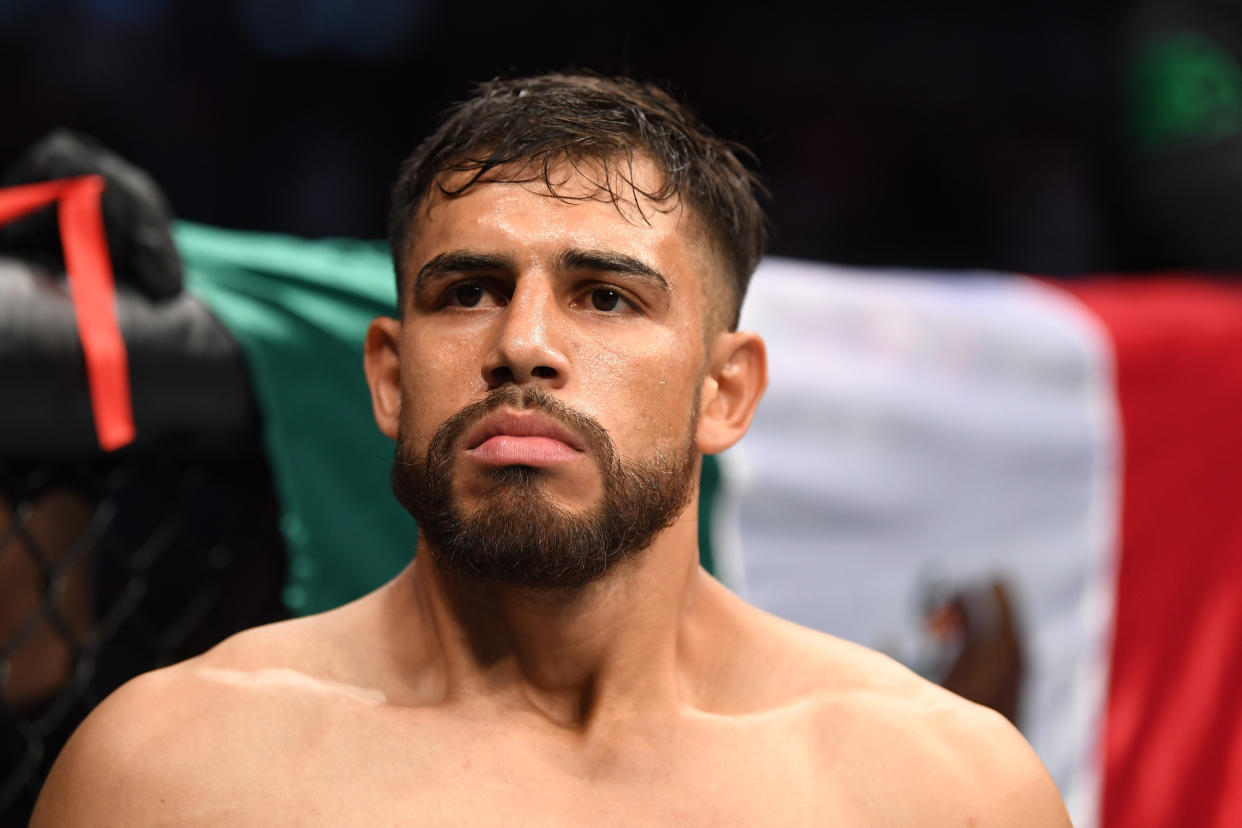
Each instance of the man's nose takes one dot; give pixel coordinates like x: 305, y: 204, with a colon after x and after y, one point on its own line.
x: 529, y: 340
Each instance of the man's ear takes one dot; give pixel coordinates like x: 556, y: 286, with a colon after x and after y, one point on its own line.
x: 382, y: 363
x: 737, y: 374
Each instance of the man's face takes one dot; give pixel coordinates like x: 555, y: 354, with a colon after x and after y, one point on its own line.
x: 551, y: 356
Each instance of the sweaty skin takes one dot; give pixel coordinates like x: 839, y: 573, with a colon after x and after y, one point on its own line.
x: 652, y: 696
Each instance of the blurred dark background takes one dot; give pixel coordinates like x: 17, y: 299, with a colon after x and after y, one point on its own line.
x: 958, y: 134
x: 1057, y: 138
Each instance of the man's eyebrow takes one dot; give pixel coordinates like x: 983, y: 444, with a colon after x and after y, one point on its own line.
x: 461, y: 261
x: 606, y: 261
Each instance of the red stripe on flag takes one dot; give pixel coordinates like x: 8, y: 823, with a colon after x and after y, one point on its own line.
x: 1173, y: 737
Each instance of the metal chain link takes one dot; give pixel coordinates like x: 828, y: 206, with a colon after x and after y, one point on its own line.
x: 106, y: 573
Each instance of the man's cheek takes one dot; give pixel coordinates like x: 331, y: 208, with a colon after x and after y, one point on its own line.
x: 426, y: 403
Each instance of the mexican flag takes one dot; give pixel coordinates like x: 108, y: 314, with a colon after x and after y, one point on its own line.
x: 1029, y: 492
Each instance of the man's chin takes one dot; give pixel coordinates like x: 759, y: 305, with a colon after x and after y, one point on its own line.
x: 525, y: 485
x: 521, y: 536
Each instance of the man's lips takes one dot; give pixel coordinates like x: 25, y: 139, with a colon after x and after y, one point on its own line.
x: 527, y: 438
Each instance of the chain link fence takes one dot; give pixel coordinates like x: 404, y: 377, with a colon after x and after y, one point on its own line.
x: 109, y: 569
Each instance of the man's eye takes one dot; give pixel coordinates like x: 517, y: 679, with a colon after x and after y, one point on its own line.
x: 467, y: 295
x: 605, y: 300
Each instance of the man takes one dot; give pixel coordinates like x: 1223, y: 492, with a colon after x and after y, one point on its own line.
x: 571, y: 256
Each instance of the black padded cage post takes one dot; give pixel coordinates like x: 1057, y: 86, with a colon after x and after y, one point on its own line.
x: 114, y: 564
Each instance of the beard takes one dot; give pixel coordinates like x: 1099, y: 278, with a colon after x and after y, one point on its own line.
x: 518, y: 534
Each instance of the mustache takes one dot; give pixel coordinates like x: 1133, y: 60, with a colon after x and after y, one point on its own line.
x: 448, y: 436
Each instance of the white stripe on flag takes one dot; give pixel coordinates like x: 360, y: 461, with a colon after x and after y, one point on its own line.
x: 923, y: 429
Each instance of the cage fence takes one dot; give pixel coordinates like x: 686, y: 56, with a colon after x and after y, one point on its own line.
x: 110, y: 570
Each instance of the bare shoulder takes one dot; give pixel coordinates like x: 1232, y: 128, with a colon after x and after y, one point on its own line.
x: 115, y: 768
x: 913, y: 752
x: 187, y: 734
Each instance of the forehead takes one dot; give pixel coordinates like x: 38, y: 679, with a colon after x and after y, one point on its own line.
x: 586, y: 204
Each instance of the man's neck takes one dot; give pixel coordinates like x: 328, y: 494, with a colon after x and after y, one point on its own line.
x: 574, y: 657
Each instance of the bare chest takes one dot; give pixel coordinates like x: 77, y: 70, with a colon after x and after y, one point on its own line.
x: 450, y: 772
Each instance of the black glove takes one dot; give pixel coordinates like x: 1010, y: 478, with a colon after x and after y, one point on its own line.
x: 136, y: 213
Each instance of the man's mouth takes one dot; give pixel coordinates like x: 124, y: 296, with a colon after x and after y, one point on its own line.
x: 522, y: 438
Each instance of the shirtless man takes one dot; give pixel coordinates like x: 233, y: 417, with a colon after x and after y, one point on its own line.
x: 572, y: 253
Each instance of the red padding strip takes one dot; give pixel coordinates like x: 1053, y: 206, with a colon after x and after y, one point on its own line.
x: 93, y: 291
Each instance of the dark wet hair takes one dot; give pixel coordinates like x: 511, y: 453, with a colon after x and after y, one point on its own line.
x: 520, y: 130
